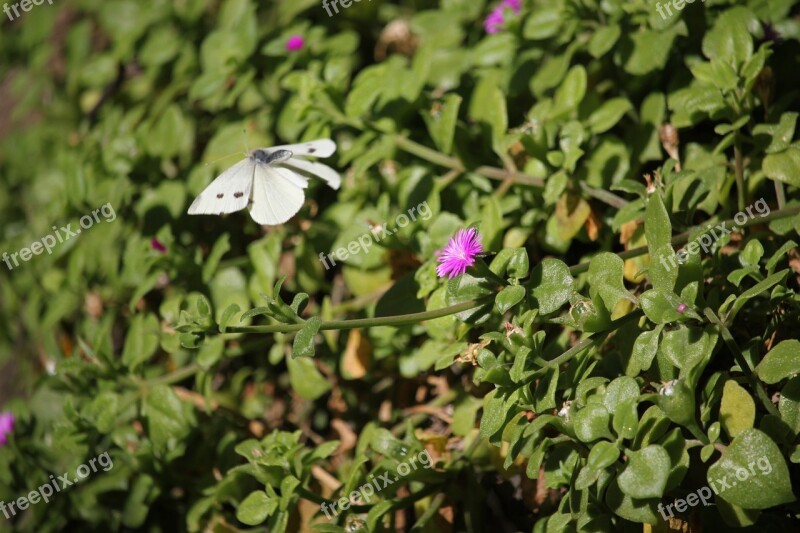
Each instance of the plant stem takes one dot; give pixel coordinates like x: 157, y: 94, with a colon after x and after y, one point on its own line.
x: 438, y: 158
x: 593, y: 339
x: 395, y: 320
x: 739, y: 170
x: 683, y: 238
x: 742, y: 361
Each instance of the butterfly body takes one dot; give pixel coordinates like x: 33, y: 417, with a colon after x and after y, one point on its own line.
x: 270, y: 182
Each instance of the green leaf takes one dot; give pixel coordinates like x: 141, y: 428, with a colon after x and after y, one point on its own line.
x: 141, y: 342
x: 570, y: 93
x: 167, y: 422
x: 221, y: 247
x: 660, y: 307
x: 303, y: 344
x: 602, y: 455
x: 488, y: 105
x: 729, y: 39
x: 784, y: 166
x: 544, y: 22
x: 779, y: 135
x: 737, y: 412
x: 305, y: 379
x: 227, y: 316
x: 494, y: 416
x: 255, y: 509
x: 606, y: 272
x: 781, y: 362
x: 621, y: 390
x: 755, y: 470
x: 626, y: 419
x: 441, y: 121
x: 603, y: 40
x: 607, y: 116
x: 644, y: 350
x: 551, y: 285
x: 509, y: 297
x: 789, y: 405
x: 646, y: 474
x: 591, y: 423
x: 657, y: 225
x: 211, y: 352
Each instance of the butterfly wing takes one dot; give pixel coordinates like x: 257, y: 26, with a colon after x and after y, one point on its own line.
x: 316, y: 148
x: 313, y: 168
x: 277, y: 194
x: 229, y: 192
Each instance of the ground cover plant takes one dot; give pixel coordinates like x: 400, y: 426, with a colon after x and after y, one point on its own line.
x: 556, y: 290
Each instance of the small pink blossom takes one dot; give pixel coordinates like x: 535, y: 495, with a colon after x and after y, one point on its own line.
x: 494, y: 22
x: 156, y: 245
x: 459, y: 254
x: 682, y: 308
x: 6, y: 427
x: 295, y: 43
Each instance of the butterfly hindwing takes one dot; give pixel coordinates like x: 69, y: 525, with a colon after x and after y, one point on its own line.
x: 229, y: 192
x: 277, y: 195
x: 313, y: 168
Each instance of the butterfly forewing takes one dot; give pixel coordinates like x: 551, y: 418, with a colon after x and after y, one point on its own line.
x: 229, y: 192
x: 317, y: 148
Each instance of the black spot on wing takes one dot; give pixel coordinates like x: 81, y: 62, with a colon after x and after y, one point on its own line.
x: 220, y: 195
x: 238, y: 194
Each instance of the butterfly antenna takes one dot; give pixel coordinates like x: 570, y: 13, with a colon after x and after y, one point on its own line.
x: 244, y: 134
x: 220, y: 159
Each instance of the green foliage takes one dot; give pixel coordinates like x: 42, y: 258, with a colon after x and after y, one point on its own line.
x: 237, y: 381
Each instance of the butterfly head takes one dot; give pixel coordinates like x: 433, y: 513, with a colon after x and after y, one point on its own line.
x: 269, y: 157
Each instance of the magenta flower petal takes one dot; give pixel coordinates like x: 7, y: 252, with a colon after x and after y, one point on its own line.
x: 459, y: 254
x: 295, y: 42
x: 682, y: 308
x: 494, y: 21
x: 156, y: 245
x: 515, y: 5
x: 6, y: 427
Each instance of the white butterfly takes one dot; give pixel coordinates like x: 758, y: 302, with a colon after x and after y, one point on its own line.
x: 269, y: 182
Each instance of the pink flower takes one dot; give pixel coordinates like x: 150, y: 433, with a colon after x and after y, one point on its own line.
x: 156, y: 245
x: 682, y: 308
x: 295, y: 43
x: 494, y: 22
x: 459, y: 254
x: 6, y: 427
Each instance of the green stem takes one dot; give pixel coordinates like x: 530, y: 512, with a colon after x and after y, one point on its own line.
x: 591, y: 340
x: 395, y: 320
x: 744, y: 364
x: 780, y: 194
x: 683, y: 238
x: 438, y: 158
x: 739, y: 170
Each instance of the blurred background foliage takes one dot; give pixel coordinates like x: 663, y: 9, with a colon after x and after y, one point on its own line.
x: 541, y: 133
